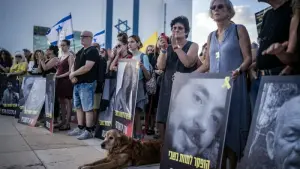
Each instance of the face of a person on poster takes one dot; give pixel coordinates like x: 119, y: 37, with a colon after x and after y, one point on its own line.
x: 219, y: 11
x: 197, y: 115
x: 9, y: 86
x: 283, y: 145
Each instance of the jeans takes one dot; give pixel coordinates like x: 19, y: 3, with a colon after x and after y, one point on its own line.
x: 83, y: 96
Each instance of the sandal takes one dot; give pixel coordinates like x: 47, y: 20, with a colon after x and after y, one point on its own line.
x: 64, y: 127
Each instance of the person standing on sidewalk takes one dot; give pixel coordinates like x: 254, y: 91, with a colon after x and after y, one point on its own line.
x: 84, y: 76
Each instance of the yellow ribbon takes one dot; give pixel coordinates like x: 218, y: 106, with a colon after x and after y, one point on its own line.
x: 217, y: 55
x: 226, y: 83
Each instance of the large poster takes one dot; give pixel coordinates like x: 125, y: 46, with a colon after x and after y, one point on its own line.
x: 9, y: 95
x: 197, y: 121
x: 34, y: 103
x: 126, y: 93
x: 274, y: 139
x: 106, y: 108
x: 49, y: 102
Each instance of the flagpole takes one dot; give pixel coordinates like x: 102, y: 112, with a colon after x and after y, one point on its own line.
x: 73, y: 33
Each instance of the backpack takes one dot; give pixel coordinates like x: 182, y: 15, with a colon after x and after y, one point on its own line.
x: 150, y: 85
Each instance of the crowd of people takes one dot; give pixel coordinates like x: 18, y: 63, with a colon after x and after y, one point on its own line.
x: 80, y: 77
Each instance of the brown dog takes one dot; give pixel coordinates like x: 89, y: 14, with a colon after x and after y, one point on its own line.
x: 124, y: 152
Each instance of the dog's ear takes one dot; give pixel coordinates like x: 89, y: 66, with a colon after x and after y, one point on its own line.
x: 122, y: 139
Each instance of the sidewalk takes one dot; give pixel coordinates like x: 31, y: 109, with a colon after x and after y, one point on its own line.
x: 23, y: 147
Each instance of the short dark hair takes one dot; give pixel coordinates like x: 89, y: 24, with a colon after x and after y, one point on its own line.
x: 54, y: 49
x: 184, y: 21
x: 123, y: 37
x: 26, y: 50
x: 67, y: 42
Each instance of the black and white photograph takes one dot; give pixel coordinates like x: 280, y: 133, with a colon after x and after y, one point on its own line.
x: 126, y: 93
x: 49, y: 101
x: 106, y: 108
x: 274, y: 140
x: 34, y: 102
x: 9, y: 95
x: 197, y: 121
x: 26, y: 87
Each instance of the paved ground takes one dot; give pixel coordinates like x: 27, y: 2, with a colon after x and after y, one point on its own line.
x: 23, y: 147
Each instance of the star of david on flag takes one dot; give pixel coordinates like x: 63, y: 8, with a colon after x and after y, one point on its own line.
x: 122, y: 26
x: 63, y: 29
x: 100, y: 38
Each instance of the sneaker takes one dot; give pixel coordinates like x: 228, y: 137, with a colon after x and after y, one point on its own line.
x: 75, y: 132
x: 85, y: 135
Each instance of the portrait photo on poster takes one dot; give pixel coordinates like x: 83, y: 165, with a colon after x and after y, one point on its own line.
x: 197, y: 121
x: 36, y: 97
x: 9, y: 91
x: 274, y: 139
x: 26, y: 87
x: 126, y: 95
x: 125, y: 90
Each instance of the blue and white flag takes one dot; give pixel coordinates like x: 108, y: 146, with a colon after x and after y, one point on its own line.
x: 100, y: 38
x: 63, y: 29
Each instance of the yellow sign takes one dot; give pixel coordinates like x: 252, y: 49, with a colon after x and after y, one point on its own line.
x: 33, y: 112
x: 189, y: 160
x: 105, y: 123
x: 123, y: 115
x: 150, y: 41
x: 226, y: 83
x: 10, y: 105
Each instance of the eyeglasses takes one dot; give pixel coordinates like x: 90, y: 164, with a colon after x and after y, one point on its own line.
x: 101, y: 51
x: 214, y: 7
x: 179, y: 28
x: 83, y: 36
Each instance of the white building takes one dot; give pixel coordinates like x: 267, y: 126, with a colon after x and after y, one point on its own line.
x: 145, y: 17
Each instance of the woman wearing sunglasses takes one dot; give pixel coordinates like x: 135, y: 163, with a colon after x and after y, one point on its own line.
x: 229, y: 50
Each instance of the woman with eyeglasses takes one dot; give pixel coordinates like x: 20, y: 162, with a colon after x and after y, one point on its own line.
x: 229, y: 51
x: 48, y: 63
x: 180, y: 56
x: 64, y: 87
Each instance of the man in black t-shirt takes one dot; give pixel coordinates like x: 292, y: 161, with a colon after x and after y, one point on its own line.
x: 274, y: 29
x: 84, y: 75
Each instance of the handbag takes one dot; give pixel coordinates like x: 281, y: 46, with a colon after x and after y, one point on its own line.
x: 150, y: 84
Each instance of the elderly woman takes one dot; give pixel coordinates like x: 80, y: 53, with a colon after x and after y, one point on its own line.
x: 19, y: 68
x: 229, y: 50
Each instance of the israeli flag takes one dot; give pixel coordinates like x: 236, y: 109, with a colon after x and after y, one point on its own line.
x: 63, y: 29
x: 100, y: 38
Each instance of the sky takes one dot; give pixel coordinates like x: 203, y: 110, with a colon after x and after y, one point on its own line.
x: 245, y: 11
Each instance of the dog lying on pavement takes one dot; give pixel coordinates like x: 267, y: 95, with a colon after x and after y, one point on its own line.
x: 124, y: 152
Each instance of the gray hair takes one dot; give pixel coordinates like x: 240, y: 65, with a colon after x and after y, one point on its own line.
x: 229, y: 6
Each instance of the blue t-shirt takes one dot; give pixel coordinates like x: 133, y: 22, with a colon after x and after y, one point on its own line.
x: 145, y: 62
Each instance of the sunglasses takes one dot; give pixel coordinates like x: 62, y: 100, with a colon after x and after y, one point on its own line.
x: 214, y: 7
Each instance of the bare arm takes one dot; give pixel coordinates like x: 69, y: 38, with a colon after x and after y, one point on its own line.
x: 113, y: 63
x: 49, y: 65
x: 205, y: 66
x: 188, y: 59
x: 84, y: 69
x: 245, y: 46
x: 162, y: 60
x: 4, y: 69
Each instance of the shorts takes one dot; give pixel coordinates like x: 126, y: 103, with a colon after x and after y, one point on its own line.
x: 97, y: 100
x: 83, y: 96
